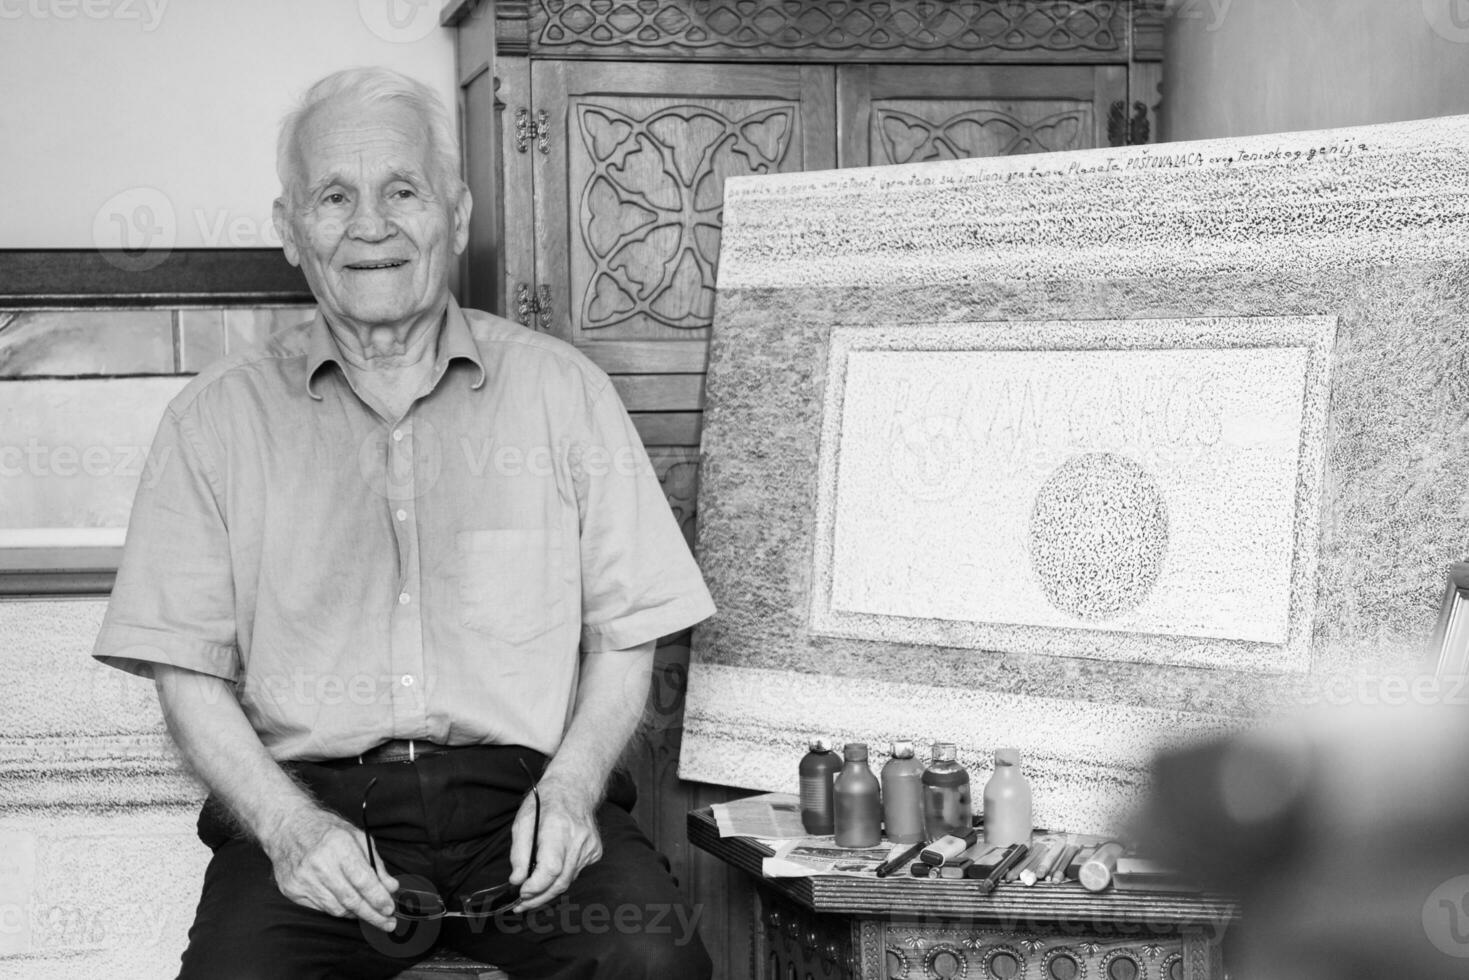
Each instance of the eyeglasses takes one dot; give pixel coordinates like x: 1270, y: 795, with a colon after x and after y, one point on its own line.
x: 418, y: 903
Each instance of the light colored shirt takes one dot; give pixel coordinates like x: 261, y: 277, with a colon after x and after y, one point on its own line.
x: 432, y: 577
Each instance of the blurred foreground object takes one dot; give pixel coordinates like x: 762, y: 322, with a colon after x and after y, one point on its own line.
x: 1345, y: 835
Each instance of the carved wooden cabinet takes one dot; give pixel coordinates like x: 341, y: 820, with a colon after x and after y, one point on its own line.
x: 852, y: 928
x: 597, y: 138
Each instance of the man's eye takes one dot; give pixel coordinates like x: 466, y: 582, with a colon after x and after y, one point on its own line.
x: 405, y: 193
x: 335, y: 197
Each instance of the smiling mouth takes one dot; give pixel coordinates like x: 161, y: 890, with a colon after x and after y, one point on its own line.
x: 376, y: 265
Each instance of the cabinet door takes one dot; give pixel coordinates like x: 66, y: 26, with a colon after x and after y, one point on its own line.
x: 912, y: 113
x: 629, y: 195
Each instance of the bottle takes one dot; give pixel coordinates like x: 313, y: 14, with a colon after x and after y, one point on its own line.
x: 1007, y: 801
x: 818, y: 768
x: 858, y: 801
x: 946, y: 805
x: 902, y: 796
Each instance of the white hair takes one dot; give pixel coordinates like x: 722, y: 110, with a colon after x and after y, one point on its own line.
x: 369, y: 86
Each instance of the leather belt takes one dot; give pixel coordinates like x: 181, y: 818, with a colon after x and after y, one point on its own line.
x: 400, y: 750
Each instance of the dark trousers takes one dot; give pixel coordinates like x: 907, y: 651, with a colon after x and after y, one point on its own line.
x: 445, y: 819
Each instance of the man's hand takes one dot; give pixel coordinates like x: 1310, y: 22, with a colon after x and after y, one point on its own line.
x: 321, y: 862
x: 569, y: 841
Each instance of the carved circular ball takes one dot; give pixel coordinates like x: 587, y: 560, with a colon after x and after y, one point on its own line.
x: 1098, y: 535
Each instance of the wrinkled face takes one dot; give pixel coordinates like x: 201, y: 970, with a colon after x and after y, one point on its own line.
x: 364, y: 218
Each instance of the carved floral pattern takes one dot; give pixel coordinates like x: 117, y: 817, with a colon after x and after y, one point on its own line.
x: 652, y: 205
x: 907, y: 138
x: 921, y: 25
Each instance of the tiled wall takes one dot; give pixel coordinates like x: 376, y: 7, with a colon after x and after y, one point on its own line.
x: 99, y: 866
x: 92, y: 342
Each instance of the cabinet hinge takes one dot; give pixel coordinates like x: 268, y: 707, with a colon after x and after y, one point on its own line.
x: 527, y: 129
x: 538, y: 305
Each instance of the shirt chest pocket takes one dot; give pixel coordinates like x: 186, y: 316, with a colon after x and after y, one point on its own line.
x: 513, y: 584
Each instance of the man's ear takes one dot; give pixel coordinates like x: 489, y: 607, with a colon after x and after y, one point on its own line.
x: 462, y: 209
x: 283, y: 229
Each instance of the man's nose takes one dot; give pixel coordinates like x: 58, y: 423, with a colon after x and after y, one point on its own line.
x: 368, y: 221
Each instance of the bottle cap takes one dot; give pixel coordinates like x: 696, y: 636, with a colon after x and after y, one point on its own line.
x: 902, y: 750
x: 944, y: 752
x: 1007, y: 757
x: 819, y: 745
x: 856, y: 752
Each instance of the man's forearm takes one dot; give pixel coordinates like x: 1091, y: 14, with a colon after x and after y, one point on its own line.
x: 318, y: 858
x: 611, y: 692
x: 217, y: 742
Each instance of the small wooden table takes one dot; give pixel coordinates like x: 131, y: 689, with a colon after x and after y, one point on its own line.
x: 832, y: 927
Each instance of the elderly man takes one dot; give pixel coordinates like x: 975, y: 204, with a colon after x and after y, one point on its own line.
x: 398, y: 586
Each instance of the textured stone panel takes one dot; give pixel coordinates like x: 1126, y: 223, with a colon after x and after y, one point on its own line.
x: 1366, y: 227
x: 99, y: 865
x: 103, y: 894
x: 85, y: 342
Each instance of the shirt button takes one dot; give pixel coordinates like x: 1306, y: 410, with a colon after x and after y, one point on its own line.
x: 402, y: 514
x: 402, y: 598
x: 407, y: 680
x: 397, y: 435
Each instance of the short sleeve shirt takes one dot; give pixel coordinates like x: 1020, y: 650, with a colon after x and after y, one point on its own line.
x: 434, y: 577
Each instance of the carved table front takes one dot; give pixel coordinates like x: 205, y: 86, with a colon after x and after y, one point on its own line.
x: 844, y: 928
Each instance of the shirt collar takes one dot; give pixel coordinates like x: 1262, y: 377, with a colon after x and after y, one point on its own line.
x: 455, y: 341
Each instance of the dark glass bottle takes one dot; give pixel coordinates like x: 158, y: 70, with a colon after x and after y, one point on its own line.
x: 946, y: 800
x: 818, y: 768
x: 858, y: 801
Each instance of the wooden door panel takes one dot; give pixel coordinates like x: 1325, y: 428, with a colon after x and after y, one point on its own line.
x: 517, y: 259
x: 629, y: 198
x: 895, y: 114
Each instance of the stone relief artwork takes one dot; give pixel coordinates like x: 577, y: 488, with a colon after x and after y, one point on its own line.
x: 651, y: 205
x: 1123, y: 490
x: 1092, y: 453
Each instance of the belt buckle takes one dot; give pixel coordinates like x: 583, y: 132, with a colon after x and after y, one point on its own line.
x: 412, y: 750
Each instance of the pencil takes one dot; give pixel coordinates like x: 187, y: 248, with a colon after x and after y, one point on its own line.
x: 897, y: 861
x: 1032, y: 872
x: 1014, y: 856
x: 1058, y: 873
x: 1045, y: 871
x: 1034, y: 853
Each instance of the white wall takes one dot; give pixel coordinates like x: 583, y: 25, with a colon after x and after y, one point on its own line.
x: 156, y: 119
x: 1241, y: 67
